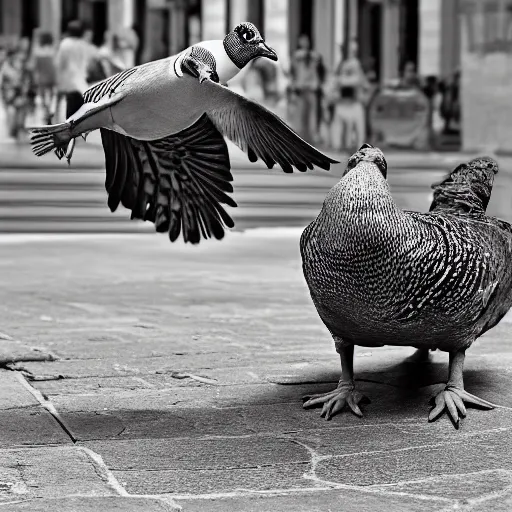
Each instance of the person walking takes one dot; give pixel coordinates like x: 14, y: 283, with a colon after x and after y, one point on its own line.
x: 43, y: 56
x: 307, y: 76
x: 112, y: 55
x: 349, y: 116
x: 72, y: 63
x: 15, y: 82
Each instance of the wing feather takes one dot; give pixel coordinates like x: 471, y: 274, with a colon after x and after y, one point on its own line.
x: 179, y: 182
x: 107, y: 86
x: 259, y: 132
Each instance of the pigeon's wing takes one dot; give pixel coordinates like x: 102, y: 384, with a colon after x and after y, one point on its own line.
x: 449, y: 195
x: 108, y: 86
x: 497, y: 295
x: 179, y: 182
x: 259, y: 132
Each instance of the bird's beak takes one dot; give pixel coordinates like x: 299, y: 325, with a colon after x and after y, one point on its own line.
x: 266, y: 51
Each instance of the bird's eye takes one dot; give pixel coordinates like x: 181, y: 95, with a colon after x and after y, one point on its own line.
x: 248, y: 35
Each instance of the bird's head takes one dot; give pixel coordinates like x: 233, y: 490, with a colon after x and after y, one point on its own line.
x: 368, y: 153
x: 245, y: 43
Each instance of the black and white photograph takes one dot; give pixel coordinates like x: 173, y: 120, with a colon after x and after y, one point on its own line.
x: 255, y: 255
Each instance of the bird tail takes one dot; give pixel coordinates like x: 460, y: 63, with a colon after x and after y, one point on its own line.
x: 54, y: 137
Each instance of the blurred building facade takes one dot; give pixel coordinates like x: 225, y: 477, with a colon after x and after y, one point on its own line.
x: 437, y: 36
x: 389, y: 32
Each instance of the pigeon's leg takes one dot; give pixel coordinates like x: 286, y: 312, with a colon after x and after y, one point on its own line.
x: 70, y: 149
x: 345, y: 393
x: 200, y: 63
x: 453, y: 396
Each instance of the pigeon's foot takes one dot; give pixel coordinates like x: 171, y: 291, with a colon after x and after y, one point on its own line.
x: 452, y: 399
x: 334, y: 401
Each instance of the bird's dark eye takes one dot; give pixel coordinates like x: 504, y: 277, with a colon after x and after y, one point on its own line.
x: 248, y: 35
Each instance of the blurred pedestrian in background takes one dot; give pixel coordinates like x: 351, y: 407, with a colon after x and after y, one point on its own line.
x: 43, y: 55
x: 450, y: 104
x: 128, y: 42
x: 98, y: 67
x: 307, y: 76
x: 348, y: 128
x: 15, y: 86
x: 410, y: 78
x: 112, y: 54
x: 73, y: 61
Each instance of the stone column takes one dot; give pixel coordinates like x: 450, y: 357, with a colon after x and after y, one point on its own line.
x: 486, y: 65
x: 353, y: 22
x: 177, y: 27
x: 276, y: 29
x: 238, y: 11
x: 323, y: 29
x: 11, y: 19
x: 120, y: 19
x: 430, y: 14
x: 390, y: 40
x: 50, y: 14
x: 120, y: 14
x: 450, y: 38
x: 213, y: 16
x: 339, y: 26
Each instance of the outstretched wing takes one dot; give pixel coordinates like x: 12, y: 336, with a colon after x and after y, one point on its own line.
x: 259, y: 132
x: 179, y: 182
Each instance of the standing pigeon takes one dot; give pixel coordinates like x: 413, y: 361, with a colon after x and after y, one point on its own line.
x: 163, y: 125
x: 379, y: 275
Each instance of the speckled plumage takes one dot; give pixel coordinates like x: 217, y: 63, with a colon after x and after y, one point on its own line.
x: 379, y: 275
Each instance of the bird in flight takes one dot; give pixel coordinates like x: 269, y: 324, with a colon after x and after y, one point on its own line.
x: 163, y: 125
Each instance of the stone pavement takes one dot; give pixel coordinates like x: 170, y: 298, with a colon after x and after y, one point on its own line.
x: 143, y: 376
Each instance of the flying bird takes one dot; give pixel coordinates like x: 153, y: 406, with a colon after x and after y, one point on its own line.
x: 379, y: 275
x: 163, y: 125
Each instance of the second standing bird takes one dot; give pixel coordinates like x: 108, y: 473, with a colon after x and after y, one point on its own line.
x: 379, y: 275
x: 163, y: 126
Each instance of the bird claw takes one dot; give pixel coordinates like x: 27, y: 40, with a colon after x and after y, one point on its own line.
x: 334, y: 401
x: 452, y: 399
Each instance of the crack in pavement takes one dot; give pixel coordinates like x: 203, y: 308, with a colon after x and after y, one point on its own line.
x: 316, y: 458
x: 452, y: 475
x: 103, y: 471
x: 46, y: 404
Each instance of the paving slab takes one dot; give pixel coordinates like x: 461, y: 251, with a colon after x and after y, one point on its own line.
x: 91, y: 504
x: 175, y: 482
x: 479, y: 485
x: 220, y: 453
x: 484, y: 451
x: 29, y: 426
x: 12, y: 351
x: 14, y: 394
x: 347, y: 500
x: 499, y: 502
x: 48, y: 472
x: 22, y: 419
